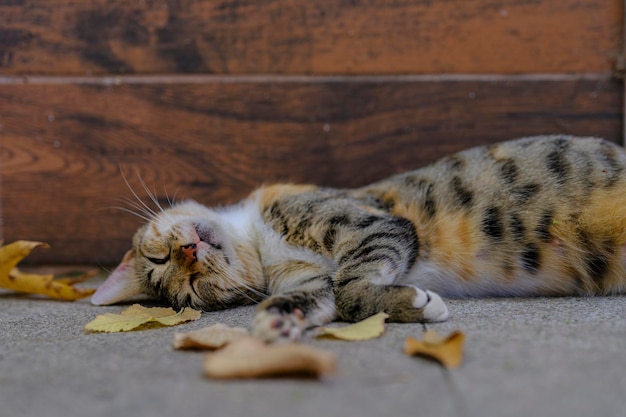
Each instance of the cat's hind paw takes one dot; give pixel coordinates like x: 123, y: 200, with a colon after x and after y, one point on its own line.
x: 432, y: 306
x: 273, y: 326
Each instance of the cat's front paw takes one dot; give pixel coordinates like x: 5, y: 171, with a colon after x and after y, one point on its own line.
x: 432, y: 306
x: 273, y: 326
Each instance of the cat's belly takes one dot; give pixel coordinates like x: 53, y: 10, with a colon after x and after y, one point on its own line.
x: 428, y: 276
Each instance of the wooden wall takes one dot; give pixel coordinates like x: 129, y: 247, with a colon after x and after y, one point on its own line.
x: 207, y: 99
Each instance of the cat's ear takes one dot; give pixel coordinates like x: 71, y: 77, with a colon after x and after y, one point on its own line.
x: 121, y: 284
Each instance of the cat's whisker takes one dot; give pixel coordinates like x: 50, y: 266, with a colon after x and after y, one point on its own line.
x: 141, y: 209
x: 244, y: 294
x: 127, y: 210
x: 162, y: 214
x: 152, y: 195
x: 141, y: 202
x: 172, y: 200
x: 240, y: 283
x: 234, y: 284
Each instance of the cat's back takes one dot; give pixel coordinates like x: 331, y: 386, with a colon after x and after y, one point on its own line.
x: 534, y: 215
x: 527, y: 167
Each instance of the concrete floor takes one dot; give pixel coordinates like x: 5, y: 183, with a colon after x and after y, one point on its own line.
x: 524, y: 357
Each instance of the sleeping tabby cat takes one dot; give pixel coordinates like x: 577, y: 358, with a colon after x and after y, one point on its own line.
x: 539, y: 216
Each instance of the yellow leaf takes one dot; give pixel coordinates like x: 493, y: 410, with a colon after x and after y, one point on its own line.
x: 249, y: 357
x: 213, y: 337
x: 13, y: 279
x: 186, y: 314
x: 136, y: 316
x: 369, y: 328
x: 446, y: 350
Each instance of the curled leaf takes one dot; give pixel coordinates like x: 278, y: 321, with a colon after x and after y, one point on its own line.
x: 369, y: 328
x: 446, y: 350
x: 13, y: 279
x: 249, y: 357
x: 136, y: 316
x: 213, y: 337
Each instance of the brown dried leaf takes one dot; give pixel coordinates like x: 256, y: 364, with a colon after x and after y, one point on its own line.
x: 249, y: 357
x: 370, y: 328
x: 213, y: 337
x: 446, y: 350
x: 13, y: 279
x: 431, y: 337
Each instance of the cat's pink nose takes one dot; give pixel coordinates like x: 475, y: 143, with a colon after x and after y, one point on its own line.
x: 190, y: 251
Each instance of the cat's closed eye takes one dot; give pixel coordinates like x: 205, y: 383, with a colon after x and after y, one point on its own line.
x: 159, y: 261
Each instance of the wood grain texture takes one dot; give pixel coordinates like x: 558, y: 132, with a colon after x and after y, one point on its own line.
x: 63, y: 146
x: 309, y: 37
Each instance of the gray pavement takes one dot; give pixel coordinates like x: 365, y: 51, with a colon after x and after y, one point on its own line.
x: 524, y: 357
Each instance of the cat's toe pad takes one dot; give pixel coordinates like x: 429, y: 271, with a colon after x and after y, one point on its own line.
x: 432, y: 306
x: 271, y: 326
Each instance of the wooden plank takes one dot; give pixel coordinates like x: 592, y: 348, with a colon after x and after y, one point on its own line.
x: 315, y: 37
x: 63, y: 146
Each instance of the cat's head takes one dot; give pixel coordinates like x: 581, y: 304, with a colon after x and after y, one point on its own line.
x: 186, y: 255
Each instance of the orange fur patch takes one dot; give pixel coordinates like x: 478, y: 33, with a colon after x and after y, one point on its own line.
x: 454, y: 238
x: 605, y: 215
x: 450, y: 237
x: 267, y: 195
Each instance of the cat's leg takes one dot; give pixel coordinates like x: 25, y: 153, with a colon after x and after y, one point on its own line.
x: 360, y: 299
x: 302, y: 302
x: 371, y: 263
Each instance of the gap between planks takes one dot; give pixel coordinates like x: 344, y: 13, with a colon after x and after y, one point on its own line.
x: 271, y: 78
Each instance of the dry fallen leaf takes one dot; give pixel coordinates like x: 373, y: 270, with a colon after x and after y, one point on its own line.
x: 13, y: 279
x: 249, y: 357
x: 136, y: 316
x: 213, y: 337
x: 446, y: 350
x: 369, y: 328
x: 431, y: 337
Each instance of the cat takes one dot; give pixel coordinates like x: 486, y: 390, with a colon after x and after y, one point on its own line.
x: 536, y: 216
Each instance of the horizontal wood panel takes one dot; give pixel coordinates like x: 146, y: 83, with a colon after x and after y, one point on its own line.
x: 314, y: 37
x: 64, y: 147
